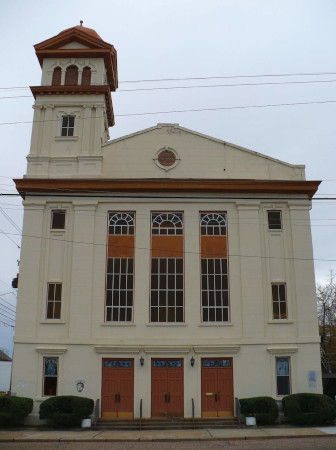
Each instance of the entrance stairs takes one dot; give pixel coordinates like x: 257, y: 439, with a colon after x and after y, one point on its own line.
x: 166, y: 424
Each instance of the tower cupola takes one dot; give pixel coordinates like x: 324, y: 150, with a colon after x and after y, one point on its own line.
x: 73, y: 105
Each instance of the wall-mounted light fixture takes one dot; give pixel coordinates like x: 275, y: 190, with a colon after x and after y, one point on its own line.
x: 142, y: 361
x: 192, y: 361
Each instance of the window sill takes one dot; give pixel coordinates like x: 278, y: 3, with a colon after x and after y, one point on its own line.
x: 118, y: 324
x: 216, y: 324
x: 58, y: 230
x: 166, y: 324
x: 53, y: 322
x: 279, y: 321
x: 66, y: 138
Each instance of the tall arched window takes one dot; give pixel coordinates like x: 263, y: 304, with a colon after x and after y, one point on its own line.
x: 86, y: 76
x: 71, y: 76
x: 213, y: 224
x: 167, y: 223
x: 57, y: 75
x: 121, y: 223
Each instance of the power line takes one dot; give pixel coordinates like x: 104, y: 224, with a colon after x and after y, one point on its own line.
x: 4, y: 306
x: 165, y: 250
x: 6, y: 234
x: 274, y: 83
x: 7, y: 317
x: 6, y: 324
x: 225, y: 77
x: 178, y: 111
x: 12, y: 316
x: 10, y: 220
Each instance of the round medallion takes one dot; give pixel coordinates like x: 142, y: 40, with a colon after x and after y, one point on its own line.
x: 166, y: 158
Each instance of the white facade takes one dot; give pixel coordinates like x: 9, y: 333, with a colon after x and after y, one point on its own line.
x: 207, y: 175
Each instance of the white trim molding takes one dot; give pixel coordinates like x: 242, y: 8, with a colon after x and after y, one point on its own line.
x: 217, y: 349
x: 282, y: 350
x: 51, y: 351
x: 107, y: 349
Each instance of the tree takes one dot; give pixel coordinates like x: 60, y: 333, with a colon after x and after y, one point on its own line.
x: 326, y: 307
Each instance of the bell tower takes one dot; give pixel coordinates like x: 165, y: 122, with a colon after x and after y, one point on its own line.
x: 73, y: 107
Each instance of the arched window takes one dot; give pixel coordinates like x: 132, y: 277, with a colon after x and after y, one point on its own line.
x: 213, y: 224
x: 71, y: 76
x: 57, y: 75
x: 121, y: 223
x: 86, y: 76
x: 167, y: 223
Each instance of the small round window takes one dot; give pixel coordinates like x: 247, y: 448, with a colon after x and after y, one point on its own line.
x: 166, y: 158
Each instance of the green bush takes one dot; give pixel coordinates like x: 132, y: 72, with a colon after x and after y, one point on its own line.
x: 13, y: 410
x: 309, y: 409
x: 264, y: 408
x: 66, y: 410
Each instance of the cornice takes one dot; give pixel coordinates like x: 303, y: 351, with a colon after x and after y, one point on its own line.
x: 217, y: 349
x: 154, y: 185
x: 282, y: 350
x: 51, y: 351
x: 105, y: 349
x: 79, y: 90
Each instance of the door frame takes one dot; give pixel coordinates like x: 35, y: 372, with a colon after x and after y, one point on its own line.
x: 102, y: 375
x: 222, y: 368
x: 158, y: 368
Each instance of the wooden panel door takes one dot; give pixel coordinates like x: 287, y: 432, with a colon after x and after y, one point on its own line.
x: 225, y: 405
x: 167, y: 388
x: 159, y: 392
x: 209, y: 390
x: 175, y: 405
x: 117, y: 388
x: 217, y: 387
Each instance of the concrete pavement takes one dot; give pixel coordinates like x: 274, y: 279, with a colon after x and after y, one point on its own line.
x: 35, y: 435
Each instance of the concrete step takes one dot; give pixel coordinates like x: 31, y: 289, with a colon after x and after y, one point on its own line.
x: 165, y: 424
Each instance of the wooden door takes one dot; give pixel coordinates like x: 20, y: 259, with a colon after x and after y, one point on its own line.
x: 167, y: 388
x: 217, y: 387
x: 118, y: 388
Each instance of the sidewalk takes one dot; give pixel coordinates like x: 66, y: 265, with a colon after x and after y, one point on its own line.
x: 30, y: 435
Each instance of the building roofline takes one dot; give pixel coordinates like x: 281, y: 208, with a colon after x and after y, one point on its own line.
x: 205, y: 136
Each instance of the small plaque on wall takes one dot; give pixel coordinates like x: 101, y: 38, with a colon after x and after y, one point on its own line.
x: 312, y: 378
x: 80, y: 385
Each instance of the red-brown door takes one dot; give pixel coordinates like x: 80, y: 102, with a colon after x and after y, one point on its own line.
x: 118, y: 388
x: 167, y: 388
x: 217, y: 387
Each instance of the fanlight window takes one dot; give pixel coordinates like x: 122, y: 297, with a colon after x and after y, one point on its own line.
x: 121, y: 223
x: 213, y: 224
x: 167, y: 223
x: 57, y: 75
x: 86, y: 76
x: 71, y: 76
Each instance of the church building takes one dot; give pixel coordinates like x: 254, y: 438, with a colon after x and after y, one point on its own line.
x: 165, y: 267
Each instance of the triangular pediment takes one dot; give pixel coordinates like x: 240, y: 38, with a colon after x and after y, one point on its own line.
x: 85, y: 36
x: 196, y: 156
x: 74, y: 45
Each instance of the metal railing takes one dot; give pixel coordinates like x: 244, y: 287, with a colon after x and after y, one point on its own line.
x: 238, y: 410
x: 193, y: 411
x: 140, y: 422
x: 97, y: 410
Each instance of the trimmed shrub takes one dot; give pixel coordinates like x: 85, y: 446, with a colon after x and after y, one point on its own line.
x: 66, y: 410
x: 13, y: 410
x: 309, y: 409
x: 265, y: 409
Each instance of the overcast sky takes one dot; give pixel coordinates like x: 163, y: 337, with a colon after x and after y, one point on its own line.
x: 160, y: 39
